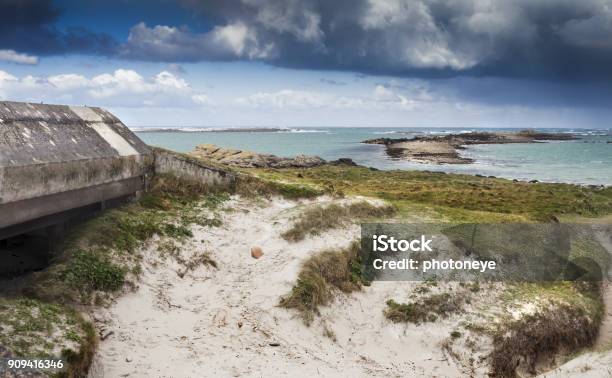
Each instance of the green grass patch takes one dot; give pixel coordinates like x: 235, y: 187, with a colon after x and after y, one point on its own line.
x: 320, y: 275
x: 98, y: 256
x: 317, y: 219
x: 35, y: 329
x: 583, y: 295
x: 89, y: 271
x: 94, y: 260
x: 250, y: 186
x: 454, y: 192
x: 455, y: 334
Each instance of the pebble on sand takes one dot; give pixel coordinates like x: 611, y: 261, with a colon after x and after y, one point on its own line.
x: 256, y: 252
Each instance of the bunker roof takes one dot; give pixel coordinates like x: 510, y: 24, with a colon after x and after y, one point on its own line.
x: 39, y: 133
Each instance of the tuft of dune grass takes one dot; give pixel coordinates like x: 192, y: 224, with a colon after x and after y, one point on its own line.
x: 569, y: 321
x: 426, y: 309
x: 250, y: 186
x: 538, y: 338
x: 321, y: 275
x: 318, y: 219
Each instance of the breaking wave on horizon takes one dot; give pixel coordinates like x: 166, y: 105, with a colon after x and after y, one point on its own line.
x: 224, y: 130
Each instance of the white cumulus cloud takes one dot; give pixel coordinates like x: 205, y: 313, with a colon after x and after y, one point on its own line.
x: 169, y: 43
x: 381, y: 98
x: 13, y: 56
x: 123, y: 87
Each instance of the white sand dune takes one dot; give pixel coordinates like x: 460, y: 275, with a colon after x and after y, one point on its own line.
x: 225, y: 322
x: 597, y: 363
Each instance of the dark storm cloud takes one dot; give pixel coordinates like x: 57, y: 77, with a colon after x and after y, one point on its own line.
x: 497, y: 91
x: 428, y: 38
x: 544, y: 39
x: 30, y: 26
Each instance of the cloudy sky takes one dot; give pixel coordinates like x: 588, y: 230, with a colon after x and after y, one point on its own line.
x: 422, y: 63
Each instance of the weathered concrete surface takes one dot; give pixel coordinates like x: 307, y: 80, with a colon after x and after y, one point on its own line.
x: 55, y: 158
x: 35, y: 133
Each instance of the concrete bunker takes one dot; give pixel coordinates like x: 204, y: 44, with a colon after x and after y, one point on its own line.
x: 59, y: 164
x: 62, y: 164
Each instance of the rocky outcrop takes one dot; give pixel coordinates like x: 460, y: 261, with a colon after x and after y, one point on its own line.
x: 386, y: 141
x: 438, y: 152
x: 249, y: 159
x: 445, y: 149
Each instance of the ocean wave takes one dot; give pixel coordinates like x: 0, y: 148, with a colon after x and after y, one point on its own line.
x: 397, y: 132
x: 224, y: 130
x: 174, y: 129
x: 446, y: 132
x: 207, y: 129
x: 194, y: 129
x: 388, y: 132
x: 290, y: 130
x: 586, y: 132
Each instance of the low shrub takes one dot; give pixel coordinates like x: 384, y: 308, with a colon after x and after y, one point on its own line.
x: 426, y: 309
x: 320, y: 275
x: 318, y: 219
x: 522, y: 344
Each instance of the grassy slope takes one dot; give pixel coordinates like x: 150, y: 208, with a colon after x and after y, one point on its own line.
x: 101, y: 256
x: 455, y: 197
x: 94, y: 262
x: 570, y: 312
x: 98, y: 257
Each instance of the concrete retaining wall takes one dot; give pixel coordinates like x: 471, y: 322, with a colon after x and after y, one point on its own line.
x: 185, y: 167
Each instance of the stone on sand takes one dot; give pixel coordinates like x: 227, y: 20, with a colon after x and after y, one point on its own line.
x: 256, y: 252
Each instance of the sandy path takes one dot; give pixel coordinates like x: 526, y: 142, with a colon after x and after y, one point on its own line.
x: 225, y: 322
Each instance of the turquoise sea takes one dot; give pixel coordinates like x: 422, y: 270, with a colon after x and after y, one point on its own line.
x: 584, y: 161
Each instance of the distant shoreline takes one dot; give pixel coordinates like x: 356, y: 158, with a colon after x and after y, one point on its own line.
x: 584, y: 162
x: 391, y: 130
x: 210, y: 130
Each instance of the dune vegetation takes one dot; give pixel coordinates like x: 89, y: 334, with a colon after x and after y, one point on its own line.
x: 101, y: 257
x: 454, y: 197
x: 567, y: 314
x: 320, y: 275
x: 317, y: 219
x: 92, y: 264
